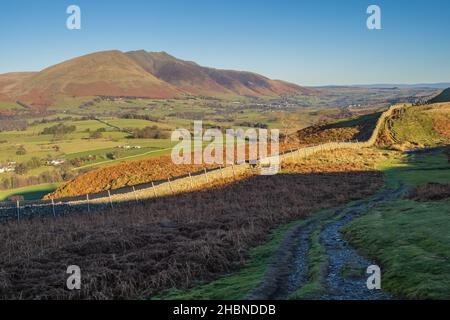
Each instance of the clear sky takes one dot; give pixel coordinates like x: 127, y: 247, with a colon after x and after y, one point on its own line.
x: 307, y: 42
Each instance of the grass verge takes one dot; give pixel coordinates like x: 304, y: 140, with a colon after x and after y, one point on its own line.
x: 412, y: 244
x: 409, y: 239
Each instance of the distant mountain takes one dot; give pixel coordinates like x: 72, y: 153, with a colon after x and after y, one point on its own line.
x: 109, y: 73
x: 444, y: 96
x: 138, y: 73
x: 441, y: 85
x: 194, y: 79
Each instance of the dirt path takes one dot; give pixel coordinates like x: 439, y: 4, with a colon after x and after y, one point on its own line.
x: 345, y: 277
x: 288, y: 271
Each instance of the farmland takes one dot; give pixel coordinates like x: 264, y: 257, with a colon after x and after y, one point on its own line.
x: 105, y: 139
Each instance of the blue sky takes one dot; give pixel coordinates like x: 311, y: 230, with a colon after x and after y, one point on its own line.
x: 307, y: 42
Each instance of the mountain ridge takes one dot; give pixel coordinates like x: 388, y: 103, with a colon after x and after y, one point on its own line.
x: 136, y: 73
x: 197, y: 79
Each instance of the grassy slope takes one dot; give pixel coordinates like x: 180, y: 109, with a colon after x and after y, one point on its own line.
x: 417, y: 125
x: 410, y: 240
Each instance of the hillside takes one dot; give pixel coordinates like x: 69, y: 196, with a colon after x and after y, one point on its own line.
x: 10, y: 81
x: 179, y: 240
x: 141, y: 74
x: 198, y: 80
x: 359, y: 128
x: 418, y: 126
x: 108, y: 73
x: 444, y: 96
x: 131, y: 173
x: 124, y: 174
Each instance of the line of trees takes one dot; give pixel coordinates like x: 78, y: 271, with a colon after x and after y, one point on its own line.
x: 18, y: 181
x: 139, y: 117
x: 152, y: 132
x: 59, y: 129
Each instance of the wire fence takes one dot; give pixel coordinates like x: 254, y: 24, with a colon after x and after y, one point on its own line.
x: 110, y: 199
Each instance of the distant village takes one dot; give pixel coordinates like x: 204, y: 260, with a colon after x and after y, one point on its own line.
x: 9, y: 167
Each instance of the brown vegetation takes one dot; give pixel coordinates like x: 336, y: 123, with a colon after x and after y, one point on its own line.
x: 442, y: 126
x: 350, y: 130
x: 137, y: 251
x: 124, y: 174
x: 430, y: 192
x: 131, y: 173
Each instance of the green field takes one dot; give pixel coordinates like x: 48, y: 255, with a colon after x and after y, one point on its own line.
x: 76, y: 144
x: 29, y: 193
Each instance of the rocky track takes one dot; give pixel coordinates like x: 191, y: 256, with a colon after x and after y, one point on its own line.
x: 345, y: 277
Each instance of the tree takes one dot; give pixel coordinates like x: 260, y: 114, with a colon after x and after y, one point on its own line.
x: 21, y: 169
x: 95, y: 135
x: 152, y: 132
x: 21, y: 151
x: 112, y: 155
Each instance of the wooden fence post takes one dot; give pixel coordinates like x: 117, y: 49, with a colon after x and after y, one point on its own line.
x: 206, y: 175
x: 170, y: 185
x: 221, y: 172
x: 110, y: 199
x: 53, y: 208
x: 88, y: 205
x: 18, y: 209
x: 190, y: 181
x: 135, y: 195
x: 234, y: 174
x: 154, y: 190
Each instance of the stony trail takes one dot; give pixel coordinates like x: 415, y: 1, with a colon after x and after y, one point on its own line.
x: 345, y: 277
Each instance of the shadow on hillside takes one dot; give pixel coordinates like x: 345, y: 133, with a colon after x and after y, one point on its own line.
x: 422, y: 166
x: 178, y: 240
x: 29, y: 195
x: 320, y: 187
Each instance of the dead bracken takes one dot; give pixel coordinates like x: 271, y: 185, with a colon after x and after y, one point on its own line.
x: 138, y: 251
